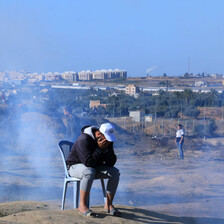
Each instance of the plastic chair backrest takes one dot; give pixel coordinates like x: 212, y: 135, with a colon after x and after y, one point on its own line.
x: 65, y: 148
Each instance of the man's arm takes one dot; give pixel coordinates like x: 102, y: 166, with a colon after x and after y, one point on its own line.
x: 109, y: 156
x: 87, y: 151
x: 182, y: 136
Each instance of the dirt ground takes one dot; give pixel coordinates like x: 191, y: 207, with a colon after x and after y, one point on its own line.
x: 155, y: 186
x: 159, y: 189
x: 44, y: 213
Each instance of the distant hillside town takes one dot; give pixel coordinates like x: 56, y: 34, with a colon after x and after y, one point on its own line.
x: 113, y: 79
x: 18, y: 77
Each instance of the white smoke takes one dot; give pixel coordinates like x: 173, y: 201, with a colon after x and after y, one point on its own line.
x: 150, y: 69
x: 31, y: 160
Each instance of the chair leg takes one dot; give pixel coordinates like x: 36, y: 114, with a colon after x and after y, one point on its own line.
x: 76, y: 189
x: 104, y: 191
x: 64, y: 194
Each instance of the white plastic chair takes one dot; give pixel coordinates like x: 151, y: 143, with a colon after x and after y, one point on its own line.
x: 65, y: 148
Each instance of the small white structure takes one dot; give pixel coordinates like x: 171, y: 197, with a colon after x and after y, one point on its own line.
x: 137, y: 115
x: 149, y: 117
x: 200, y: 83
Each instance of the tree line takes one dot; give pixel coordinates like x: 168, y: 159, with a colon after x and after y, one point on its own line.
x: 164, y: 104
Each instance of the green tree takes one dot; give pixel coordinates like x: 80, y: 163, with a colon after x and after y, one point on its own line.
x: 188, y: 95
x: 191, y: 112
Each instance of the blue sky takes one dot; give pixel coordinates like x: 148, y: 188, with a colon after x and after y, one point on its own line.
x: 140, y: 36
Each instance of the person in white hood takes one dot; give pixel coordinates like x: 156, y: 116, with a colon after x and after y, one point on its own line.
x: 92, y: 156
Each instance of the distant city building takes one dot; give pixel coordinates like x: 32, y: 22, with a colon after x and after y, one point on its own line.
x: 216, y: 75
x: 115, y: 74
x: 200, y: 83
x: 44, y: 90
x: 32, y: 81
x: 149, y: 117
x: 20, y: 76
x: 137, y: 115
x: 114, y: 94
x: 17, y: 82
x: 96, y: 103
x: 70, y: 76
x: 40, y: 77
x: 131, y: 90
x: 85, y: 75
x: 50, y: 77
x: 101, y: 74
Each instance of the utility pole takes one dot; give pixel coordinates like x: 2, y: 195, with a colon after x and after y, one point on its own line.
x: 222, y: 111
x: 189, y: 65
x: 155, y: 110
x: 204, y: 114
x: 181, y: 109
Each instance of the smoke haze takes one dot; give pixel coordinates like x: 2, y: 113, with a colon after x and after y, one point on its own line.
x: 151, y: 175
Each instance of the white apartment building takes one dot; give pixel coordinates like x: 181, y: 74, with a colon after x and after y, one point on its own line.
x: 69, y: 75
x: 85, y: 75
x: 102, y: 74
x: 99, y: 74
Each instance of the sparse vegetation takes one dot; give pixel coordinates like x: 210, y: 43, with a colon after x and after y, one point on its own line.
x: 2, y: 214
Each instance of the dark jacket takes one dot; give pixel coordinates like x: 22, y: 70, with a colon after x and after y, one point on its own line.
x: 86, y: 151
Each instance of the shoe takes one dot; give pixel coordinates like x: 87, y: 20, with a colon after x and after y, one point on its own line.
x: 114, y: 212
x: 88, y: 213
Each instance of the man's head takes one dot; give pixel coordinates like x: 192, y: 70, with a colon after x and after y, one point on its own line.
x: 179, y: 126
x: 105, y: 135
x: 107, y: 130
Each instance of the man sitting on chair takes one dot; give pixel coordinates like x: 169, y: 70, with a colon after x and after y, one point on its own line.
x: 92, y: 156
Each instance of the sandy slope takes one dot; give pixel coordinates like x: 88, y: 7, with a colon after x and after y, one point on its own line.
x: 44, y: 213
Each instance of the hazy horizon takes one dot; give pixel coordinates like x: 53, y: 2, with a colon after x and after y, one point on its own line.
x: 141, y: 37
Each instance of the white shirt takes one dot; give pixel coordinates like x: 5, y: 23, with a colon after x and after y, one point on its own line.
x: 179, y: 133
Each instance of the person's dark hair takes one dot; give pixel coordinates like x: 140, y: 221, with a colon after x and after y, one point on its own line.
x: 68, y: 109
x: 180, y: 125
x: 94, y: 129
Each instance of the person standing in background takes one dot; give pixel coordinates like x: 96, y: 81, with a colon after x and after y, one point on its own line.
x: 180, y: 140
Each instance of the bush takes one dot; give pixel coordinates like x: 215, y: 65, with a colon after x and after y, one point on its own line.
x: 191, y: 112
x: 198, y: 131
x: 171, y: 114
x: 205, y: 130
